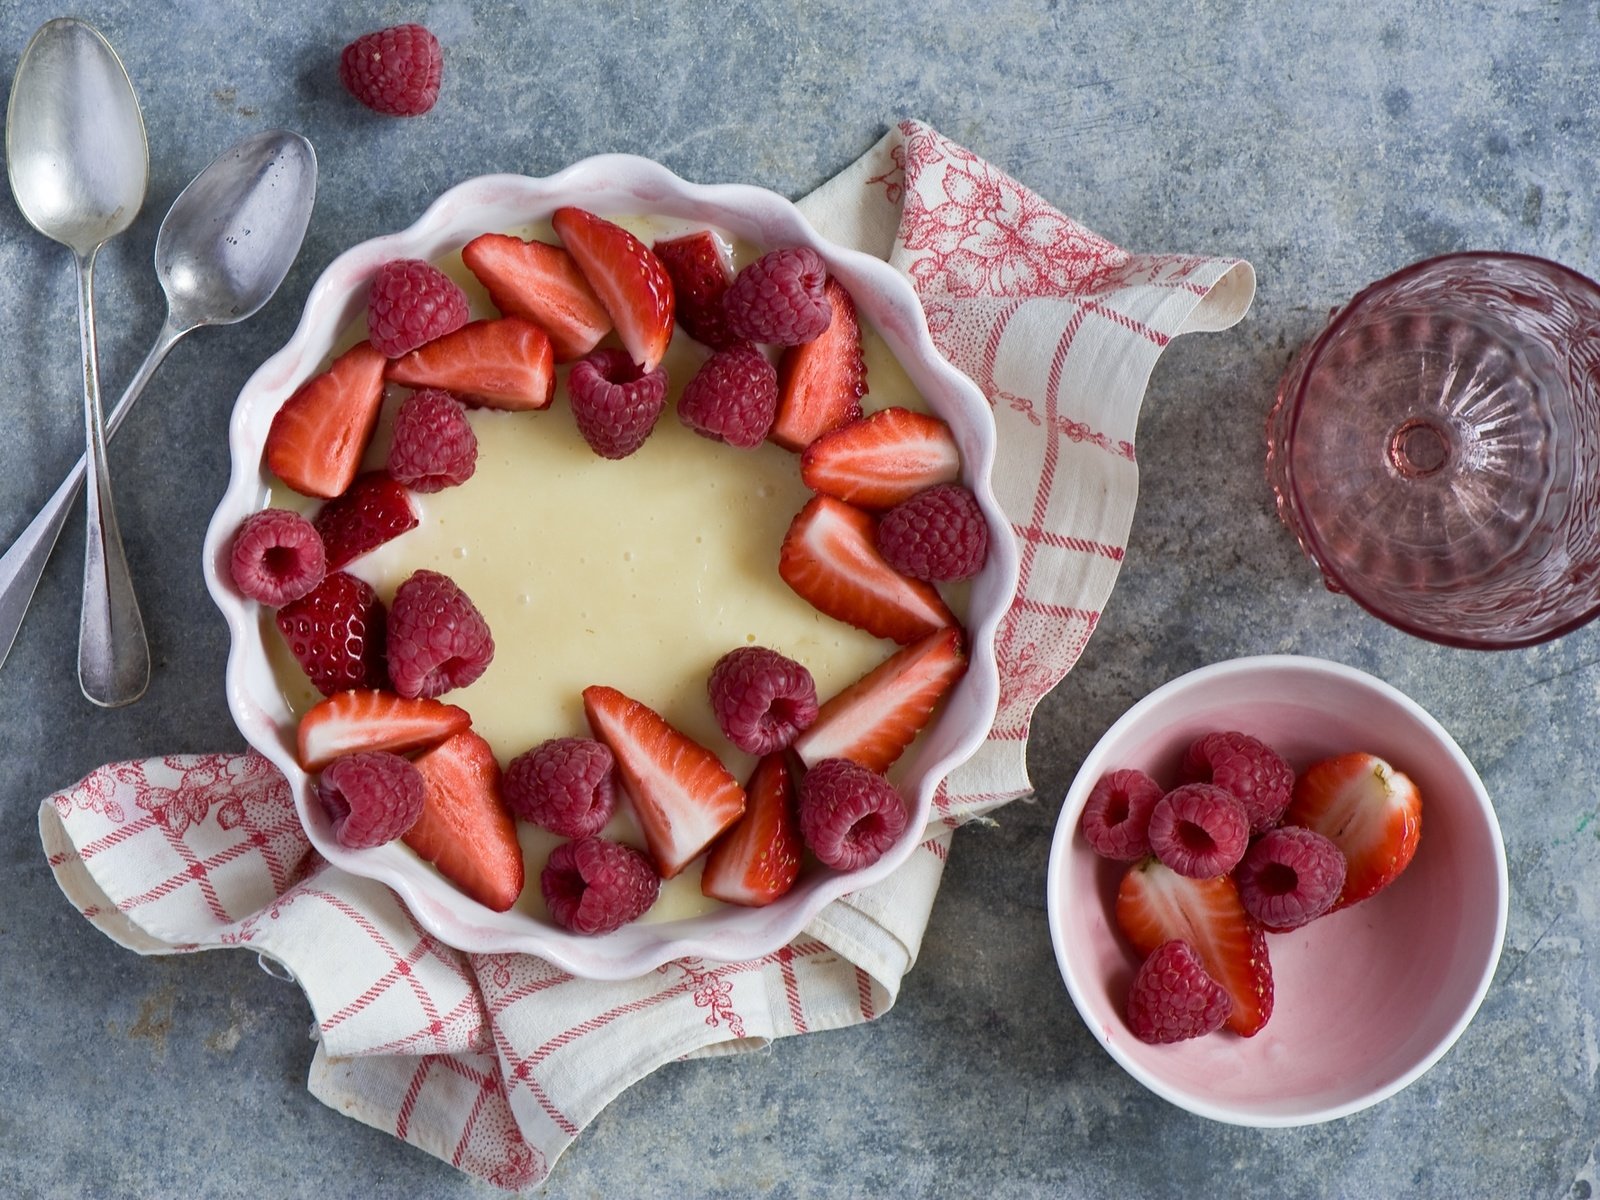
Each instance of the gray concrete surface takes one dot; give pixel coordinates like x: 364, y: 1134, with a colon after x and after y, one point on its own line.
x: 1327, y: 143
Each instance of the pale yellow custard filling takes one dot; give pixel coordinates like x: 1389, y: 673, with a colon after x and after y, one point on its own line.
x: 637, y: 574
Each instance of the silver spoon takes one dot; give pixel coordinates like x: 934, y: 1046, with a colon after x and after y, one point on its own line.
x: 224, y: 247
x: 78, y: 161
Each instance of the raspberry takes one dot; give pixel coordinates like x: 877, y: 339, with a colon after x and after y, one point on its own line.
x: 761, y: 699
x: 336, y: 634
x: 1173, y: 999
x: 277, y: 557
x: 1116, y: 816
x: 1258, y: 778
x: 848, y: 815
x: 1198, y: 830
x: 564, y: 785
x: 1289, y: 877
x: 615, y: 405
x: 438, y: 639
x: 410, y: 303
x: 779, y: 298
x: 394, y: 71
x: 938, y: 535
x: 733, y: 398
x: 594, y: 886
x: 434, y: 446
x: 372, y: 797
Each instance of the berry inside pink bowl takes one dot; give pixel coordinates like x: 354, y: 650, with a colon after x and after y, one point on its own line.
x: 1367, y: 997
x: 267, y: 691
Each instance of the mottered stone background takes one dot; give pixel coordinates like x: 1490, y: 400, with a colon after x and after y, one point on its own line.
x: 1327, y: 146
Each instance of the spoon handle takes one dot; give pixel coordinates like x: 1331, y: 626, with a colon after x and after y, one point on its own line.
x: 113, y: 656
x: 22, y: 566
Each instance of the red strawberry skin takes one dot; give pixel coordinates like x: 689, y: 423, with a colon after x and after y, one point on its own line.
x: 543, y: 284
x: 505, y: 363
x: 882, y: 460
x: 821, y: 382
x: 336, y: 634
x: 1156, y: 905
x: 830, y: 558
x: 465, y: 829
x: 682, y: 794
x: 317, y: 438
x: 628, y: 278
x: 873, y: 720
x: 701, y: 269
x: 373, y: 511
x: 369, y: 719
x: 1371, y: 811
x: 758, y: 859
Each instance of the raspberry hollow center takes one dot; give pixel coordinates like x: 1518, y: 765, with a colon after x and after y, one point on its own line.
x: 1279, y: 879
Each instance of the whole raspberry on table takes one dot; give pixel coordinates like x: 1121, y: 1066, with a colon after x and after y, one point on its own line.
x: 438, y: 639
x: 410, y: 303
x: 1199, y: 830
x: 780, y: 299
x: 848, y: 815
x: 615, y: 404
x: 762, y: 700
x: 1247, y: 767
x: 566, y: 785
x: 1116, y: 816
x: 277, y: 557
x: 939, y: 535
x: 1173, y: 999
x: 733, y: 398
x: 1289, y: 877
x: 394, y: 71
x: 371, y: 798
x: 434, y: 446
x: 593, y: 886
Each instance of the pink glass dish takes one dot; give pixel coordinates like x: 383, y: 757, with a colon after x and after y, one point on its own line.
x: 1436, y: 450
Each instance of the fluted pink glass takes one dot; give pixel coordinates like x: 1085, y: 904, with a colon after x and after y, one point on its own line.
x: 1436, y: 450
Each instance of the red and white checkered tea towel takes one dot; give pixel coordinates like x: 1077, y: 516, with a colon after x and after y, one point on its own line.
x: 496, y: 1062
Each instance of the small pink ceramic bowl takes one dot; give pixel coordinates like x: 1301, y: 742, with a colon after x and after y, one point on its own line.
x: 1368, y: 998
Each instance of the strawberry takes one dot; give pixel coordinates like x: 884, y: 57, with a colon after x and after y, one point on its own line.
x: 821, y: 382
x: 540, y: 282
x: 681, y: 792
x: 373, y: 511
x: 701, y: 270
x: 830, y: 558
x: 882, y: 460
x: 465, y: 829
x: 1155, y: 905
x: 336, y: 633
x: 628, y: 278
x: 1372, y: 812
x: 499, y: 364
x: 317, y: 438
x: 758, y: 858
x: 368, y: 719
x: 873, y: 720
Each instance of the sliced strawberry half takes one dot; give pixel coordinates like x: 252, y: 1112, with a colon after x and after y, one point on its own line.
x: 375, y: 509
x: 337, y: 633
x: 542, y: 283
x: 873, y: 720
x: 701, y: 268
x: 682, y: 794
x: 882, y: 459
x: 821, y: 382
x: 317, y: 438
x: 1155, y: 905
x: 628, y: 278
x: 371, y: 719
x: 505, y: 363
x: 465, y: 829
x: 758, y: 858
x: 830, y: 557
x: 1371, y: 811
